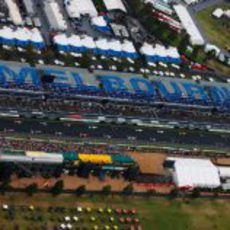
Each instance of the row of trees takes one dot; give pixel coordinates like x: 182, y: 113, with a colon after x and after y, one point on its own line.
x: 58, y: 188
x: 81, y: 190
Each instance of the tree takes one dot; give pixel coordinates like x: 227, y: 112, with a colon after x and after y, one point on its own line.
x: 80, y: 190
x: 131, y: 173
x: 151, y: 192
x: 85, y: 60
x: 211, y: 54
x: 216, y: 192
x: 195, y: 52
x: 84, y: 169
x: 6, y: 171
x: 31, y: 189
x: 184, y: 43
x: 136, y: 6
x: 106, y: 189
x: 128, y: 190
x: 57, y: 188
x: 195, y: 193
x: 174, y: 193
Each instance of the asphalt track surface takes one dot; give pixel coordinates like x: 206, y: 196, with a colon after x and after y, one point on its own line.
x: 125, y: 133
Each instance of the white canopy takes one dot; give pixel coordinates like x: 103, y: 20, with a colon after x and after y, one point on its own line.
x: 75, y: 40
x: 191, y: 1
x: 61, y: 39
x: 227, y: 13
x: 76, y: 8
x: 54, y: 15
x: 209, y: 47
x: 7, y: 33
x: 128, y: 47
x: 224, y: 171
x: 88, y: 42
x: 191, y: 172
x: 114, y: 5
x: 22, y: 34
x: 36, y: 36
x: 14, y: 12
x: 218, y: 13
x: 99, y: 21
x: 195, y: 36
x: 173, y: 52
x: 159, y: 50
x: 147, y: 49
x: 115, y: 45
x: 102, y: 44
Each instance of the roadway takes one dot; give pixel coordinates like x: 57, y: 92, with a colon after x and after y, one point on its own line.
x: 109, y: 132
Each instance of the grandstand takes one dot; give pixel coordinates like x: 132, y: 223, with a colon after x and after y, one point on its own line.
x: 71, y: 82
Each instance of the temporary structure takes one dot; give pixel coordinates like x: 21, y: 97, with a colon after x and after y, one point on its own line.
x: 189, y: 172
x: 76, y: 8
x: 218, y: 13
x: 189, y: 25
x: 100, y: 23
x: 14, y: 12
x: 114, y: 5
x: 54, y: 15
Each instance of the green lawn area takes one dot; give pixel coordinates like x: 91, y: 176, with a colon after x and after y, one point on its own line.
x: 214, y: 30
x: 159, y: 214
x: 214, y: 64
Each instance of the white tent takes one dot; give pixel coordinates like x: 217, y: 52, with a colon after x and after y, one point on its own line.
x: 210, y: 47
x: 224, y: 171
x: 102, y: 44
x: 173, y: 52
x: 7, y: 33
x: 54, y: 15
x: 22, y: 35
x: 76, y: 8
x: 195, y: 36
x: 88, y: 42
x: 36, y: 36
x: 227, y: 13
x: 160, y: 50
x: 99, y: 21
x: 189, y: 172
x: 128, y: 47
x: 147, y: 49
x: 115, y: 45
x: 218, y: 13
x: 189, y: 2
x: 14, y: 12
x: 61, y: 39
x: 114, y: 5
x: 75, y: 40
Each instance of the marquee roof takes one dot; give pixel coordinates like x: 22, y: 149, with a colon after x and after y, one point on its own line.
x: 159, y: 50
x: 99, y: 21
x: 189, y: 25
x: 14, y: 12
x: 114, y: 5
x: 76, y: 8
x: 224, y: 171
x: 191, y: 172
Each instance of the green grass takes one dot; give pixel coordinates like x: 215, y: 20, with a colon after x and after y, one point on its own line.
x: 218, y: 66
x: 214, y: 30
x: 159, y: 214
